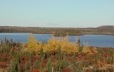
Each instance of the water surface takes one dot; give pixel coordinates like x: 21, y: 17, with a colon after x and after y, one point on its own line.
x: 92, y: 40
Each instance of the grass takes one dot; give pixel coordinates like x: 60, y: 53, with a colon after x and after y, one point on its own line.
x: 18, y: 57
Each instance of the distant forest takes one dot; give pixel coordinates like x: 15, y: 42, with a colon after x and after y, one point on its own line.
x: 105, y: 30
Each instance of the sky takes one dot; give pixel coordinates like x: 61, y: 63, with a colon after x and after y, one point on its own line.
x: 56, y: 13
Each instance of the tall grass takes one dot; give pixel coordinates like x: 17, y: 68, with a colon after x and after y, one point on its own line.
x: 57, y: 55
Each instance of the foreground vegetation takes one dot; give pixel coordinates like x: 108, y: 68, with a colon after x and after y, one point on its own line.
x: 56, y: 55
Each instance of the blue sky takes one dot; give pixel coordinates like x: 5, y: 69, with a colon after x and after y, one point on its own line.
x: 56, y: 13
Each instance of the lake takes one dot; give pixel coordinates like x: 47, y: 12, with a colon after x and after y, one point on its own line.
x: 91, y: 40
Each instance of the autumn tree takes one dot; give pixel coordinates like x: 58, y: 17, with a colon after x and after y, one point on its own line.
x: 33, y: 45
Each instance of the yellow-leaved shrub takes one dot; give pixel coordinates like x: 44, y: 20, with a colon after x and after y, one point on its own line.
x: 33, y: 45
x: 52, y: 46
x: 69, y: 47
x: 86, y: 49
x: 65, y: 46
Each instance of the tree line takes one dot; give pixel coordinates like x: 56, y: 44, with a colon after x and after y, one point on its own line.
x: 58, y: 31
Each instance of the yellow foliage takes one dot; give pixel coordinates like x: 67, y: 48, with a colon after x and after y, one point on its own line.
x: 32, y: 44
x: 86, y: 49
x: 52, y: 45
x: 69, y: 48
x: 65, y: 46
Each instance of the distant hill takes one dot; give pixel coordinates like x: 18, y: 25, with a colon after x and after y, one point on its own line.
x: 105, y: 30
x: 107, y: 27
